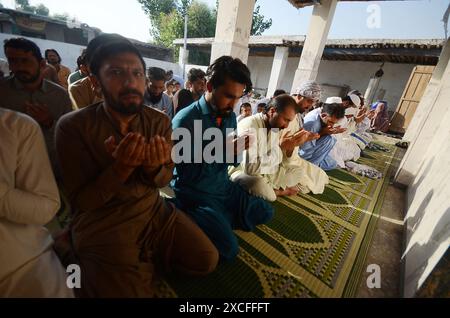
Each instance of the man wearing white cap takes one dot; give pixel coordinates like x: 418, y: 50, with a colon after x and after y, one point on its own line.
x: 346, y: 148
x: 322, y: 121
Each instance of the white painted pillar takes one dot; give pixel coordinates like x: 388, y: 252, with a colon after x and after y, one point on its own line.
x: 369, y: 95
x: 316, y: 39
x: 432, y: 106
x: 234, y: 22
x: 278, y: 69
x: 183, y: 56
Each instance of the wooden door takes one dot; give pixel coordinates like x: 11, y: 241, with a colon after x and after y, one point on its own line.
x: 414, y: 89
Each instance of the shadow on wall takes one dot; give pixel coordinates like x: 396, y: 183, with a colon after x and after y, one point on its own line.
x: 413, y: 188
x: 429, y: 245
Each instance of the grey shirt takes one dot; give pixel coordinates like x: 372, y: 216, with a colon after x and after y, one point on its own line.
x: 14, y: 96
x: 165, y: 104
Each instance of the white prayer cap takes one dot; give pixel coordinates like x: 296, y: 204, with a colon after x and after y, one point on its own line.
x: 351, y: 111
x: 309, y: 89
x: 355, y: 99
x: 333, y: 100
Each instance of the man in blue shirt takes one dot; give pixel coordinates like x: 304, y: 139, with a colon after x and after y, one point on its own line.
x: 202, y: 188
x: 321, y: 121
x: 154, y: 94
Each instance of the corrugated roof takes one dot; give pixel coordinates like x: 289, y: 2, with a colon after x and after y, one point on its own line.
x: 299, y: 40
x: 414, y: 51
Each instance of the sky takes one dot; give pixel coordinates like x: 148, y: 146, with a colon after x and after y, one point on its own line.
x: 413, y: 19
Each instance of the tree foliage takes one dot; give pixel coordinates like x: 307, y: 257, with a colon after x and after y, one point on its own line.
x: 43, y: 10
x: 167, y: 22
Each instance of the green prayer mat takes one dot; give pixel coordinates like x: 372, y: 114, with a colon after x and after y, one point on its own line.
x: 315, y: 246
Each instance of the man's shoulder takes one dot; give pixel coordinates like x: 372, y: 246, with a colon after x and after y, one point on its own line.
x: 311, y: 116
x: 16, y: 122
x: 80, y: 84
x: 154, y: 113
x: 55, y: 88
x: 80, y: 117
x: 166, y: 99
x: 186, y: 115
x: 184, y: 92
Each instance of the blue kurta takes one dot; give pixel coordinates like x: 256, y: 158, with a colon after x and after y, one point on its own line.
x: 317, y: 151
x: 204, y: 191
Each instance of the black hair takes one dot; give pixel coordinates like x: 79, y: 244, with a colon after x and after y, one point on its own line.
x: 261, y: 105
x: 280, y: 103
x: 347, y: 99
x: 108, y: 50
x: 354, y: 92
x: 156, y: 74
x: 195, y: 74
x: 171, y: 82
x: 24, y: 45
x: 102, y: 39
x: 279, y: 92
x: 81, y: 60
x: 244, y: 105
x: 227, y: 67
x: 54, y: 51
x: 334, y: 109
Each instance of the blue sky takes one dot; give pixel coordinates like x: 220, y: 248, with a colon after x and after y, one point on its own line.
x: 398, y: 19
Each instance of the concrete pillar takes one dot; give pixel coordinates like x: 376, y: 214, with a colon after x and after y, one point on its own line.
x: 278, y: 68
x: 432, y: 106
x: 90, y: 35
x: 234, y: 22
x: 183, y: 56
x: 316, y: 39
x: 369, y: 95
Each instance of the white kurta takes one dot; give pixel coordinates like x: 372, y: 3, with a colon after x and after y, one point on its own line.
x: 268, y: 168
x: 312, y: 177
x: 345, y: 148
x: 361, y: 136
x: 29, y: 199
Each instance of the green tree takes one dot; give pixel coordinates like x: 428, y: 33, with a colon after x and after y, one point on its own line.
x: 259, y: 23
x: 39, y: 9
x: 61, y: 16
x: 167, y: 20
x: 42, y: 10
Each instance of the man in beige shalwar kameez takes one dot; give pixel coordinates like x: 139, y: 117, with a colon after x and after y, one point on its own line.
x: 269, y: 168
x: 114, y: 156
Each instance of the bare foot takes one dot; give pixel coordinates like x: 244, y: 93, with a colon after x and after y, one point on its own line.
x: 286, y: 192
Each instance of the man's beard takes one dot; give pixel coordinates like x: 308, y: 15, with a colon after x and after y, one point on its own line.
x: 155, y: 99
x: 119, y: 107
x: 27, y: 78
x: 221, y: 113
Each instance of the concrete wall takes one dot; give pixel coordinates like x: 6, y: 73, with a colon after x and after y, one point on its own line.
x: 54, y: 32
x: 70, y: 52
x: 428, y: 206
x: 428, y: 216
x: 355, y: 74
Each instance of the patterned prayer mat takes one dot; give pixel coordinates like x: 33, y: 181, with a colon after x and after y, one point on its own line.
x: 315, y: 246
